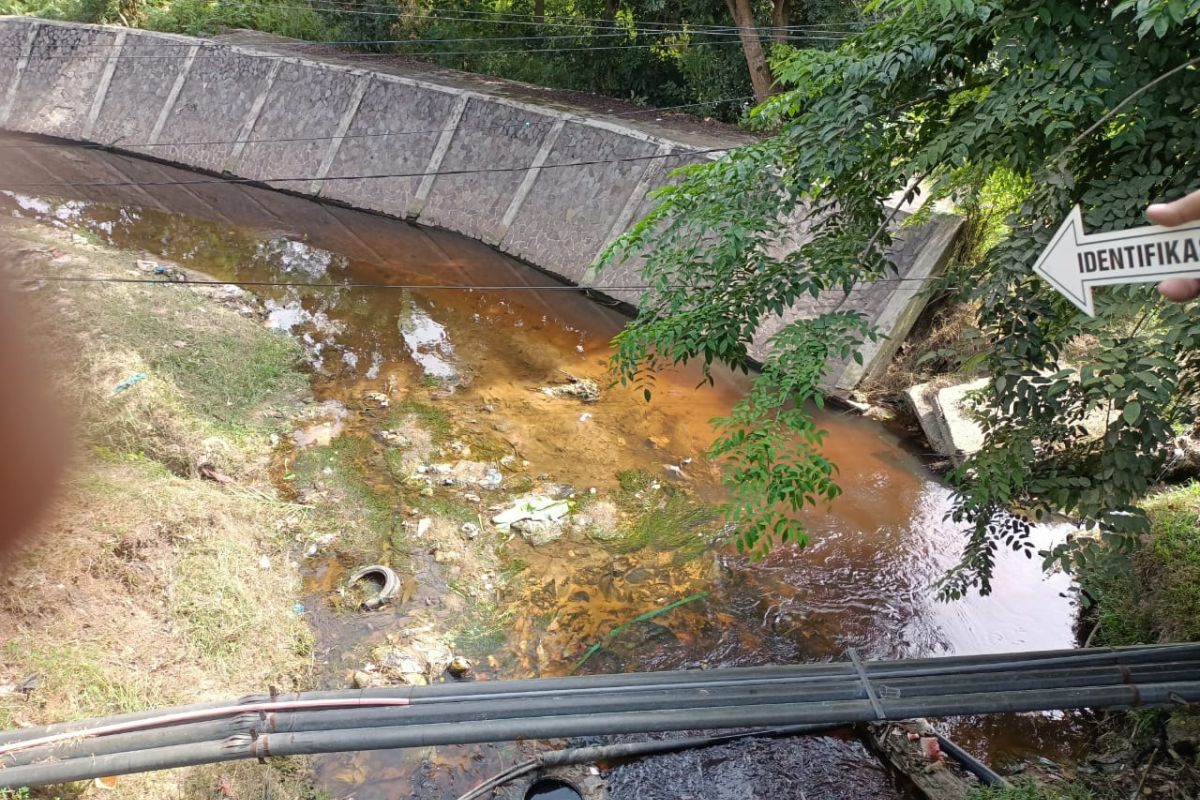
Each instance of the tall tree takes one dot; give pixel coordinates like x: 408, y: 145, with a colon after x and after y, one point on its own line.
x: 742, y: 12
x: 1096, y: 104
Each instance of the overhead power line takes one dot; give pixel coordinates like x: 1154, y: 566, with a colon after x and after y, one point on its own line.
x: 225, y: 51
x: 359, y: 285
x: 310, y: 178
x: 426, y: 41
x: 513, y: 18
x: 544, y: 123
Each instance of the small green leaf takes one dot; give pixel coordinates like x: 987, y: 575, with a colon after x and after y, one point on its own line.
x: 1132, y: 413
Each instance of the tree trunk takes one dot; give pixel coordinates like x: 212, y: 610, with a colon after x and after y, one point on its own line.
x: 539, y: 11
x: 756, y: 59
x: 780, y: 13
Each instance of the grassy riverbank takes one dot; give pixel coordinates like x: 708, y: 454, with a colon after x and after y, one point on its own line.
x: 1154, y: 595
x: 150, y: 582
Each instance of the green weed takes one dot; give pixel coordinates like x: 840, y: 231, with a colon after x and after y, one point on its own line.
x: 431, y: 418
x: 1154, y: 594
x: 367, y: 515
x: 1030, y: 790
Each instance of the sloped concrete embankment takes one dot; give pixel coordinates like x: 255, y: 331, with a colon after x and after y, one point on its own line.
x: 474, y: 156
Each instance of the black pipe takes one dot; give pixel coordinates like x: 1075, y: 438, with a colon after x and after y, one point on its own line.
x: 970, y: 763
x: 470, y: 710
x: 835, y: 713
x: 815, y: 673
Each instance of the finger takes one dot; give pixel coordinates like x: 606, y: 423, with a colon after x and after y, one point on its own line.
x: 1180, y: 289
x: 1185, y: 209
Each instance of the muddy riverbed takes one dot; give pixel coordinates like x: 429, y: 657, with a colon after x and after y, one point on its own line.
x: 436, y: 408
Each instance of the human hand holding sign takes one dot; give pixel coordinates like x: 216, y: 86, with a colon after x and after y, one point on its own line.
x: 1185, y: 209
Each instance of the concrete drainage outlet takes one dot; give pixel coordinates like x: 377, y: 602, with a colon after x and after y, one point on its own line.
x: 576, y: 782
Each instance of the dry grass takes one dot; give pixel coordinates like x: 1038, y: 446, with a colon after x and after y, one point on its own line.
x: 944, y: 342
x: 147, y: 585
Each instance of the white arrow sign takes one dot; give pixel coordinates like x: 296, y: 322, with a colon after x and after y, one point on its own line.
x: 1074, y: 263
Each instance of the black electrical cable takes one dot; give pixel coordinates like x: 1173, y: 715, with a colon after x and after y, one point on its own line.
x: 330, y: 178
x: 541, y: 123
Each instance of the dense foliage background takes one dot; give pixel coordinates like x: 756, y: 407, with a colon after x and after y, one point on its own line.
x: 664, y: 53
x: 1061, y: 102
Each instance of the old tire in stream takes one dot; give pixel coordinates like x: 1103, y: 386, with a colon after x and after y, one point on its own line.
x: 384, y: 576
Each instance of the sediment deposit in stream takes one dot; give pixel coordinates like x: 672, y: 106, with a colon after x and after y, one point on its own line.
x: 441, y: 408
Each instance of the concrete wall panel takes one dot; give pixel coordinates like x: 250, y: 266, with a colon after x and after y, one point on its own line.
x: 629, y: 273
x: 141, y: 82
x: 324, y: 94
x: 59, y: 82
x: 394, y: 132
x: 213, y: 106
x: 554, y: 231
x: 13, y: 34
x: 490, y: 136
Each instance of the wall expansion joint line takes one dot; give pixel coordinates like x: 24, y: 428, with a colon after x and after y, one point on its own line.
x: 654, y: 168
x: 106, y: 76
x: 22, y: 62
x: 527, y: 182
x: 439, y: 153
x: 335, y: 144
x: 169, y: 104
x: 235, y: 155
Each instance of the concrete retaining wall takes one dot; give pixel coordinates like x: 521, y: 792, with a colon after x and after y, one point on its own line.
x: 210, y: 104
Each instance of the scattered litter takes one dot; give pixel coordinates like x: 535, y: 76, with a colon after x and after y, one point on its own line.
x: 423, y: 526
x: 470, y: 529
x: 675, y: 471
x: 532, y: 507
x: 208, y: 472
x: 108, y: 782
x: 378, y: 398
x: 130, y: 382
x: 459, y: 667
x: 584, y: 417
x: 298, y: 608
x: 393, y: 439
x: 264, y: 562
x: 584, y: 389
x: 559, y: 491
x: 319, y: 544
x: 491, y: 479
x: 385, y: 576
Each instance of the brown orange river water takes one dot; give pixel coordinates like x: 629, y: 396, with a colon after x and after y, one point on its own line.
x: 865, y: 580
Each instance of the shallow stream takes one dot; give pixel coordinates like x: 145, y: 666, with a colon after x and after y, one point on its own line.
x: 481, y: 359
